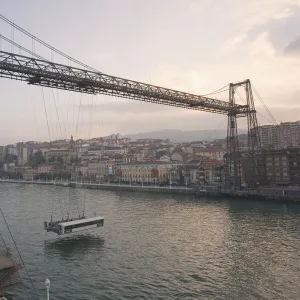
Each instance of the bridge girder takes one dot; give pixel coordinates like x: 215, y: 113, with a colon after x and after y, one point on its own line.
x: 45, y: 73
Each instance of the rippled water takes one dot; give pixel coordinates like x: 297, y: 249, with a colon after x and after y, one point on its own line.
x: 155, y: 246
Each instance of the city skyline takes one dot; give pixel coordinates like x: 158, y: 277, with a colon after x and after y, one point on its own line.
x: 259, y: 40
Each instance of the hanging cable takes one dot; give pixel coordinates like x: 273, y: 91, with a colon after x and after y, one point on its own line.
x: 90, y: 117
x: 19, y: 253
x: 57, y: 115
x: 35, y: 118
x: 79, y: 109
x: 67, y: 117
x: 46, y: 115
x: 12, y: 37
x: 84, y: 200
x: 73, y: 114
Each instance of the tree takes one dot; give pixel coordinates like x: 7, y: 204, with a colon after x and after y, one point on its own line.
x: 60, y: 160
x: 9, y: 158
x: 181, y: 177
x: 75, y: 160
x: 51, y: 159
x: 36, y: 159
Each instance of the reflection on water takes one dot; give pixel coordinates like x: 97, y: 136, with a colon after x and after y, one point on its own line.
x: 73, y: 245
x: 157, y: 246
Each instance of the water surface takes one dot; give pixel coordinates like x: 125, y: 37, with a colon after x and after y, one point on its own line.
x: 154, y: 246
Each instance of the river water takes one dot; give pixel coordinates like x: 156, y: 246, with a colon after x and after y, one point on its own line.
x: 154, y: 246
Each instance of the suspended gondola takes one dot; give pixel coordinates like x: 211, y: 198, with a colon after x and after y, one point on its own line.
x: 73, y: 225
x: 67, y: 225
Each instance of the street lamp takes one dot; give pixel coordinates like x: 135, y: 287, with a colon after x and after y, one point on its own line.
x: 47, y: 284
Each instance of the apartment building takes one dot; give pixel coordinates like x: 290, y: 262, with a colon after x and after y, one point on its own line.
x: 147, y: 171
x: 283, y: 166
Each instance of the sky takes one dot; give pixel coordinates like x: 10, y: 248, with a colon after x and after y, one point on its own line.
x: 195, y: 46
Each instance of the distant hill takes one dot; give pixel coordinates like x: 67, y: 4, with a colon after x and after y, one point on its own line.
x: 182, y: 136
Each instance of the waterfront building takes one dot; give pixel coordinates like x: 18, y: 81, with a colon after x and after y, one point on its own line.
x: 3, y: 151
x: 11, y: 149
x: 9, y: 167
x: 155, y: 171
x: 283, y: 166
x: 30, y: 174
x: 284, y: 135
x: 289, y: 135
x: 101, y: 170
x: 46, y: 168
x: 22, y: 153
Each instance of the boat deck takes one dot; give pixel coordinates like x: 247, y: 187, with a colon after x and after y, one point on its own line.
x: 5, y: 261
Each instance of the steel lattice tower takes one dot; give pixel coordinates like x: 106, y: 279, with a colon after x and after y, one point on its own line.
x: 233, y: 165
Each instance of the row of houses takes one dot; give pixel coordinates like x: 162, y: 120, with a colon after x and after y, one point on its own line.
x: 277, y: 168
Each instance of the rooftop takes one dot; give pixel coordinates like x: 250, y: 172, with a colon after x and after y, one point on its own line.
x: 146, y: 163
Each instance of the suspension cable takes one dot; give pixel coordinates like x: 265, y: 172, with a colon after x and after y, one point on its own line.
x: 21, y: 47
x: 217, y: 91
x: 46, y: 45
x: 265, y: 106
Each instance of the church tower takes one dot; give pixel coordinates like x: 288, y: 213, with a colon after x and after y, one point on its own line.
x: 71, y: 148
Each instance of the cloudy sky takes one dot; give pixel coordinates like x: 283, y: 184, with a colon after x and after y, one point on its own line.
x: 196, y: 46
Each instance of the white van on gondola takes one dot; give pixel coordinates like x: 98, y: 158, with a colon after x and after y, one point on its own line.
x: 69, y: 226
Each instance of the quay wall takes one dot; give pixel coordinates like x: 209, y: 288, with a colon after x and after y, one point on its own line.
x: 271, y: 194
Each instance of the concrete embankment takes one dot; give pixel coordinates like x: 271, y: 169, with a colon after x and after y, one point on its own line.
x: 264, y: 194
x: 270, y: 195
x: 103, y: 186
x: 121, y: 187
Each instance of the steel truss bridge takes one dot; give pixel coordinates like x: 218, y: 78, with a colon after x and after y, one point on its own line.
x: 45, y: 73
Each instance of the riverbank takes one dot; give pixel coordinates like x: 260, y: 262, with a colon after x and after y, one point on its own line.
x: 263, y: 194
x: 110, y: 186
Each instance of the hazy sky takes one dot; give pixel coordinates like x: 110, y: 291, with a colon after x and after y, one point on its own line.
x: 192, y: 45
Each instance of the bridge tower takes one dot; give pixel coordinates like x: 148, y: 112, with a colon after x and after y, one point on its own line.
x: 233, y: 157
